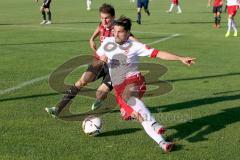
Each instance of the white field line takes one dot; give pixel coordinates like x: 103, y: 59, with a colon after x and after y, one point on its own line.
x: 26, y: 83
x: 35, y: 80
x: 164, y: 39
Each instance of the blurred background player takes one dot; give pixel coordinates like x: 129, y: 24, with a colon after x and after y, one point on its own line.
x: 174, y: 3
x: 232, y: 7
x: 88, y: 2
x: 140, y: 4
x: 128, y: 82
x: 217, y: 10
x: 45, y: 9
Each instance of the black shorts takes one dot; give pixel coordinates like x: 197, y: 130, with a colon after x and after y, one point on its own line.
x: 142, y: 3
x: 46, y: 3
x: 217, y: 9
x: 104, y: 73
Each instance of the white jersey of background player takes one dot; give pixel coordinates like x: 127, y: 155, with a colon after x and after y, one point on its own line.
x: 232, y: 6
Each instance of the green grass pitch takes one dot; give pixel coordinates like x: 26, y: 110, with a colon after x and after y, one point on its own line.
x: 202, y: 112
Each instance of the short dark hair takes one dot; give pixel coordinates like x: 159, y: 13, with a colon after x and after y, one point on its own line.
x: 107, y: 8
x: 124, y: 22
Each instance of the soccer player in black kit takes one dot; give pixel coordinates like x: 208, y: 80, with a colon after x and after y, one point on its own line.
x: 45, y: 9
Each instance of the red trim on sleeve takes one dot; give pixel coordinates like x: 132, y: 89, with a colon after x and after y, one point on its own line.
x: 154, y: 53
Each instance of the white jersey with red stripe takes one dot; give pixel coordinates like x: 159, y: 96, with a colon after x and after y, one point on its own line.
x: 233, y: 2
x: 123, y: 60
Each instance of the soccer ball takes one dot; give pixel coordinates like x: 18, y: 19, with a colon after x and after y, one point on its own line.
x: 92, y: 125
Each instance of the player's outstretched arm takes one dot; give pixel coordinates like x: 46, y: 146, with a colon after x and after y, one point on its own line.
x: 92, y: 39
x: 171, y: 57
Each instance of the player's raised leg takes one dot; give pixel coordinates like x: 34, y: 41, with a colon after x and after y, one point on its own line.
x: 86, y: 78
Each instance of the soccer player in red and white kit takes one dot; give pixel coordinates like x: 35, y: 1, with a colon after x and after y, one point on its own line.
x: 217, y: 10
x: 174, y: 3
x: 104, y: 29
x: 232, y: 7
x: 122, y: 56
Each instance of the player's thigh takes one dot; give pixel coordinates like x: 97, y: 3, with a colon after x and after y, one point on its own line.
x: 145, y: 4
x: 46, y: 9
x: 130, y: 91
x: 141, y: 109
x: 214, y: 10
x: 86, y: 78
x: 98, y: 71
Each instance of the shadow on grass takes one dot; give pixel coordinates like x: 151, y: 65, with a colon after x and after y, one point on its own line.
x: 204, y: 77
x: 119, y: 132
x: 28, y: 97
x: 198, y: 129
x: 193, y: 103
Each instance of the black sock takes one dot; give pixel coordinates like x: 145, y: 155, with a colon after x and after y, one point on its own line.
x: 216, y: 20
x: 147, y: 11
x: 219, y: 20
x: 49, y: 15
x: 139, y: 16
x: 70, y: 94
x: 44, y: 15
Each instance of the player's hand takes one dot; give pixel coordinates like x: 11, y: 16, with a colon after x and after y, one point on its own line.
x: 187, y: 60
x: 137, y: 116
x: 93, y: 45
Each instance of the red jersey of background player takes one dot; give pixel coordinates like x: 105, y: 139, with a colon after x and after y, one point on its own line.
x: 176, y: 2
x: 217, y: 3
x: 105, y: 32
